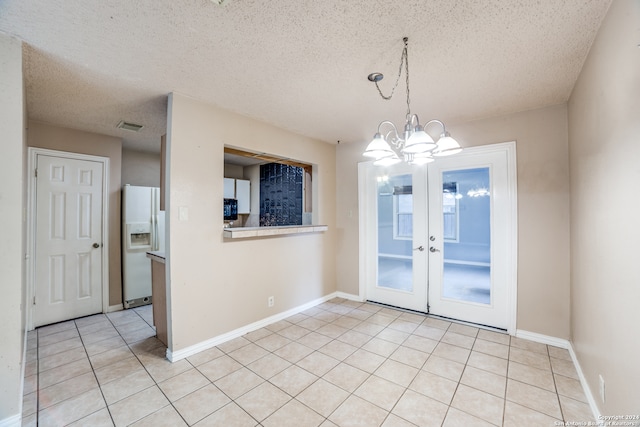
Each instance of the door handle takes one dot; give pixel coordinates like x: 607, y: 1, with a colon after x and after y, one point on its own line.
x: 419, y: 248
x: 432, y: 249
x: 96, y: 245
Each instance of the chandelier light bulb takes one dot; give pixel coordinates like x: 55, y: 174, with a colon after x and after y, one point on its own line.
x: 419, y: 142
x: 378, y: 148
x: 447, y: 146
x: 387, y: 161
x: 421, y: 159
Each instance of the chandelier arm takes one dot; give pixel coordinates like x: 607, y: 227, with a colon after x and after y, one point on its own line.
x: 395, y: 145
x: 395, y: 139
x: 411, y: 118
x: 444, y: 130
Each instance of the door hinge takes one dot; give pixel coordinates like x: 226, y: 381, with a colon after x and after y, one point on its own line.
x: 34, y: 300
x: 35, y: 172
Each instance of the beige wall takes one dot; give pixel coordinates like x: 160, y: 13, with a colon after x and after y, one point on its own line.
x: 140, y: 168
x: 543, y: 211
x: 56, y: 138
x: 604, y: 142
x: 233, y: 171
x: 11, y: 227
x: 217, y: 286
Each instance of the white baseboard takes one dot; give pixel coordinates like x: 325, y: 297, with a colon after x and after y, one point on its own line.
x: 585, y: 386
x: 117, y: 307
x: 349, y: 297
x: 16, y: 420
x: 174, y: 356
x: 562, y: 343
x: 12, y: 421
x: 544, y: 339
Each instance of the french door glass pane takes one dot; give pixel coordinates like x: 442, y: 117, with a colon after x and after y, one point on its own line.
x: 467, y: 235
x: 395, y: 232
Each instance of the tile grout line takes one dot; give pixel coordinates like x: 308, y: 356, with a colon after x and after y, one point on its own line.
x: 38, y: 378
x: 555, y: 386
x: 94, y: 372
x: 506, y: 382
x: 341, y: 314
x: 155, y: 383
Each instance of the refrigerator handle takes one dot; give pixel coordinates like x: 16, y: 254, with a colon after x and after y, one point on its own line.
x: 154, y: 219
x: 156, y: 240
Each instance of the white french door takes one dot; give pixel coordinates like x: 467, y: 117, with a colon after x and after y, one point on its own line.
x: 457, y: 258
x: 396, y: 259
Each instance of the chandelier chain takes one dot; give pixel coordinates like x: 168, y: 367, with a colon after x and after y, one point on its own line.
x: 411, y: 143
x: 406, y: 63
x: 403, y: 61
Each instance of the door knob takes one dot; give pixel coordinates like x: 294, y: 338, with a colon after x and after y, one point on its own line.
x: 96, y: 245
x: 419, y: 248
x: 432, y: 249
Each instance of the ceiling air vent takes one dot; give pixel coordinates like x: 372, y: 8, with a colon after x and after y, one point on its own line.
x: 129, y: 126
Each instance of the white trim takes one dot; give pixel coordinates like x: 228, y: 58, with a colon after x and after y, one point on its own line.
x: 174, y: 356
x: 509, y: 148
x: 585, y: 385
x: 12, y: 421
x: 512, y: 290
x: 33, y: 153
x: 543, y: 339
x: 350, y: 297
x: 112, y: 308
x: 566, y: 344
x: 362, y: 228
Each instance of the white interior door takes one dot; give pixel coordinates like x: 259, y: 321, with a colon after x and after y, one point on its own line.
x: 68, y: 239
x: 469, y: 227
x: 458, y: 259
x: 396, y: 267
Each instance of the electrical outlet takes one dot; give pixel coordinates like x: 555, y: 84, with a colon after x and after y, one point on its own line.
x: 271, y: 301
x: 601, y: 388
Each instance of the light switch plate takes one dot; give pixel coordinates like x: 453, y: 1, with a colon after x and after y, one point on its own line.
x: 183, y: 213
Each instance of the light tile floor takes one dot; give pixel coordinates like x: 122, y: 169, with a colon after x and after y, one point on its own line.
x: 341, y: 363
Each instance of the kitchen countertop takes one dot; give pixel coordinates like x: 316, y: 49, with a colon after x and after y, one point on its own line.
x: 248, y: 232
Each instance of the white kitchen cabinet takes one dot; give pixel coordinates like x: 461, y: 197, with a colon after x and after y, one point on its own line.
x: 239, y: 189
x: 229, y: 188
x: 243, y: 195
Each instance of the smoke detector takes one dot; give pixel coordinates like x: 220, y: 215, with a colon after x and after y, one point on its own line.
x: 129, y: 126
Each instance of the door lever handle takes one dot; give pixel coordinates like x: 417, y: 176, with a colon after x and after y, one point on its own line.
x: 432, y: 249
x: 419, y: 248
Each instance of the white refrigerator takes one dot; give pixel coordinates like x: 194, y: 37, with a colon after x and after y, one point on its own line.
x: 142, y: 231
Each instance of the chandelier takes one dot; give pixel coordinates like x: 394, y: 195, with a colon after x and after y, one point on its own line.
x: 414, y: 146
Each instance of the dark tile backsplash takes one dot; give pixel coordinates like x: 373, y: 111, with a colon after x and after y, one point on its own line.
x: 280, y: 195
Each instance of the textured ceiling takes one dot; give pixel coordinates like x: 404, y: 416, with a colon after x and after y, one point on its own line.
x: 298, y: 64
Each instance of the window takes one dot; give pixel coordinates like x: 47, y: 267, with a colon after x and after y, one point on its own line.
x: 450, y: 208
x: 403, y: 213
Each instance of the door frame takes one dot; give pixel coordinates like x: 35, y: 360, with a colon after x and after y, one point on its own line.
x: 30, y: 214
x: 509, y: 149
